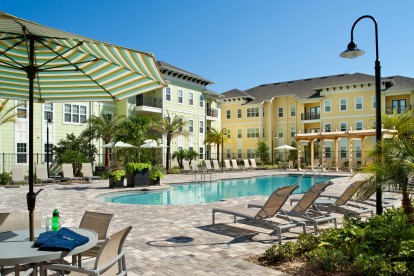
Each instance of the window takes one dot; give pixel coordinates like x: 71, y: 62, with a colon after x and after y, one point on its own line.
x: 201, y: 104
x: 168, y: 94
x: 22, y: 110
x: 358, y: 125
x: 399, y: 106
x: 343, y: 152
x: 180, y: 142
x: 315, y: 112
x: 253, y: 112
x: 109, y: 116
x: 280, y: 132
x: 293, y: 111
x: 328, y: 152
x: 228, y: 114
x: 343, y: 104
x: 374, y: 102
x: 344, y: 126
x: 239, y: 113
x: 48, y: 150
x: 180, y: 96
x: 48, y: 111
x: 228, y: 133
x: 191, y: 141
x: 201, y: 153
x: 358, y: 103
x: 280, y: 112
x: 21, y: 153
x: 251, y: 153
x: 328, y: 105
x: 201, y: 127
x: 228, y: 153
x: 181, y: 120
x: 253, y: 133
x: 191, y: 98
x: 239, y: 153
x: 328, y: 127
x: 239, y: 133
x: 75, y: 113
x: 190, y: 125
x: 292, y: 131
x: 358, y: 152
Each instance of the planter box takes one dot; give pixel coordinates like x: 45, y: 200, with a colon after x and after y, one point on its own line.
x: 138, y: 178
x: 156, y: 182
x: 116, y: 184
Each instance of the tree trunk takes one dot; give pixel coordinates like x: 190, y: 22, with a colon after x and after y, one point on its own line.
x: 407, y: 206
x: 167, y: 165
x: 107, y: 157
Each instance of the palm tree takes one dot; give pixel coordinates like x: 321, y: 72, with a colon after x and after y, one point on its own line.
x: 215, y: 136
x: 103, y: 127
x: 393, y: 165
x: 170, y: 128
x: 7, y: 114
x: 180, y: 155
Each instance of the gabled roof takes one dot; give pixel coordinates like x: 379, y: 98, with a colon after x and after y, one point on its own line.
x: 168, y: 69
x: 236, y: 93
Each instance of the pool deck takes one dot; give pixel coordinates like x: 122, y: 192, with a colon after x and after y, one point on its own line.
x: 170, y: 240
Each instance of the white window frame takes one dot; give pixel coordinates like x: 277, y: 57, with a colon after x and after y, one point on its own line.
x: 239, y: 153
x: 201, y: 99
x: 292, y: 111
x: 191, y: 125
x: 356, y: 103
x: 280, y: 110
x: 80, y: 114
x: 328, y: 152
x: 201, y: 124
x: 22, y: 110
x: 180, y: 96
x: 239, y: 133
x: 292, y: 132
x: 346, y: 104
x: 253, y: 112
x: 356, y: 125
x: 22, y: 153
x: 346, y: 126
x: 239, y: 113
x: 228, y: 114
x: 327, y: 124
x: 48, y: 109
x: 168, y: 94
x: 253, y: 132
x: 280, y: 132
x: 190, y: 98
x: 327, y: 104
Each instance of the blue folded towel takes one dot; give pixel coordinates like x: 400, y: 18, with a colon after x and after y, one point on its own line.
x: 64, y: 240
x: 43, y: 237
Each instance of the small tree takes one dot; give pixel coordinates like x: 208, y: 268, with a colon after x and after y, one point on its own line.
x: 74, y: 150
x: 191, y: 155
x: 293, y: 154
x: 262, y: 149
x: 180, y: 155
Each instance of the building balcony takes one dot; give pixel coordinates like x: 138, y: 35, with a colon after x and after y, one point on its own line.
x: 310, y: 116
x: 212, y: 114
x: 399, y: 109
x: 148, y: 104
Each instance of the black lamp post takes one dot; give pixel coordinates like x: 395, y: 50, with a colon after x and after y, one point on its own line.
x: 352, y: 52
x: 222, y: 146
x: 49, y: 121
x: 273, y: 137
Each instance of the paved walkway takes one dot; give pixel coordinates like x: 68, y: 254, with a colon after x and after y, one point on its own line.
x: 166, y: 240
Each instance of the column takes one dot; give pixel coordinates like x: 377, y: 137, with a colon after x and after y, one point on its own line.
x: 299, y: 152
x: 336, y: 145
x: 350, y: 142
x: 312, y: 153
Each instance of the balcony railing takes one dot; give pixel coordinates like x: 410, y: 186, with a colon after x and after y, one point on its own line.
x: 310, y: 116
x: 213, y: 112
x: 149, y: 101
x: 399, y: 109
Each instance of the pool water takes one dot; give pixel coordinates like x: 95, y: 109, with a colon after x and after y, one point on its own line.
x: 207, y: 192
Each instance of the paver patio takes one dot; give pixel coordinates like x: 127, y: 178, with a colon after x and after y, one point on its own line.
x: 166, y: 240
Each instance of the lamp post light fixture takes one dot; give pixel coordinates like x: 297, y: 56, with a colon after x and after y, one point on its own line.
x: 273, y: 137
x: 224, y: 133
x: 48, y: 122
x: 352, y: 52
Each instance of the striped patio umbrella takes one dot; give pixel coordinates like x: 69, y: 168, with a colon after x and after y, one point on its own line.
x: 42, y: 64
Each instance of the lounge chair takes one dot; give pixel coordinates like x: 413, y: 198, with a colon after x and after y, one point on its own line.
x: 227, y: 165
x: 208, y: 165
x: 110, y: 259
x: 186, y: 166
x: 246, y: 165
x: 18, y: 175
x: 98, y: 222
x: 216, y: 166
x: 235, y: 166
x: 254, y: 165
x: 41, y: 174
x: 68, y: 173
x: 194, y: 166
x: 18, y: 221
x: 303, y: 208
x: 267, y: 212
x: 87, y: 172
x: 342, y: 202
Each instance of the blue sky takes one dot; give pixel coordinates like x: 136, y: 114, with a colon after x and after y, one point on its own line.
x: 240, y: 43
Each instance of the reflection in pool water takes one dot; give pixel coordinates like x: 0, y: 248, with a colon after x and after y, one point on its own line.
x: 207, y: 192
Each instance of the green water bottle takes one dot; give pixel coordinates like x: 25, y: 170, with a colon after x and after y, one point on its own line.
x: 55, y: 220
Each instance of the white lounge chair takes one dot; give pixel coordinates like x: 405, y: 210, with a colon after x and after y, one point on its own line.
x: 246, y: 164
x: 87, y: 172
x: 68, y: 173
x: 41, y: 174
x: 235, y: 166
x: 227, y: 165
x: 18, y: 175
x: 208, y: 165
x: 216, y: 166
x: 254, y: 165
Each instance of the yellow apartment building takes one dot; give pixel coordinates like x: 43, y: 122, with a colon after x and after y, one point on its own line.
x: 275, y: 112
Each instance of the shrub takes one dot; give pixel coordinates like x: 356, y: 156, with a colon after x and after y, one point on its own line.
x: 280, y: 253
x: 327, y: 259
x: 116, y: 174
x: 132, y: 166
x: 5, y: 178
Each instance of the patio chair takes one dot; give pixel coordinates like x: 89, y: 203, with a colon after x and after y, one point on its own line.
x: 109, y: 261
x: 254, y: 165
x: 306, y: 209
x: 227, y: 165
x: 194, y: 166
x: 98, y: 222
x: 247, y: 165
x: 186, y: 167
x: 266, y: 215
x: 87, y: 172
x: 18, y: 175
x: 18, y: 221
x: 208, y: 165
x: 216, y: 166
x: 41, y: 174
x: 68, y: 173
x: 235, y: 166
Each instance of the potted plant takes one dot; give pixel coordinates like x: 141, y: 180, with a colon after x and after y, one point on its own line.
x: 138, y: 174
x: 116, y: 178
x: 156, y: 174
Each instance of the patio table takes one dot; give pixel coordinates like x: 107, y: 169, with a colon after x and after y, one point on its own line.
x: 17, y: 249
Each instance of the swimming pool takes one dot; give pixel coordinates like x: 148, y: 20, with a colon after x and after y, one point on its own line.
x: 207, y: 192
